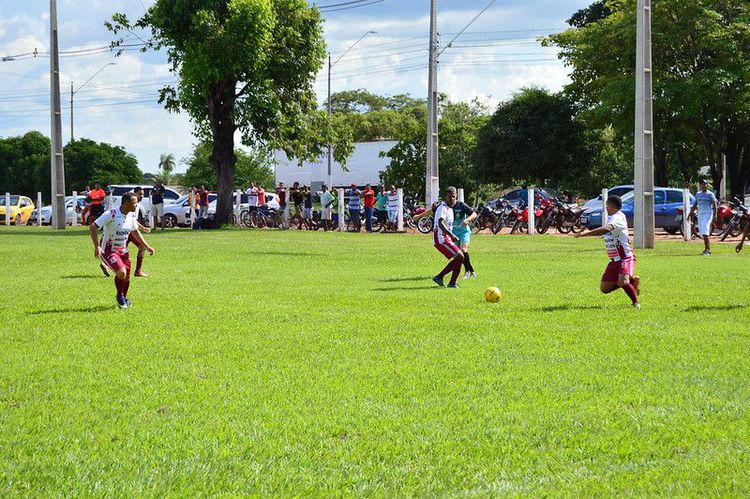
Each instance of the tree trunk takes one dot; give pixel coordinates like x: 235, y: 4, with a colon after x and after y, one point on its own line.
x: 736, y: 170
x: 660, y: 167
x: 220, y: 107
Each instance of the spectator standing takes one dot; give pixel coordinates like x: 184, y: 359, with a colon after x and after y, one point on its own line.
x: 326, y: 203
x: 354, y: 207
x: 252, y: 197
x: 86, y: 205
x: 157, y: 204
x: 299, y: 200
x: 97, y: 196
x: 335, y: 209
x: 368, y: 198
x: 281, y: 192
x: 308, y: 195
x: 382, y: 205
x: 392, y: 208
x: 202, y: 194
x: 261, y: 196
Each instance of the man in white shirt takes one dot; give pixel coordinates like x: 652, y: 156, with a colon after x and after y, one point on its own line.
x: 708, y: 208
x: 620, y: 273
x: 326, y: 203
x: 444, y: 240
x: 252, y: 197
x: 117, y: 226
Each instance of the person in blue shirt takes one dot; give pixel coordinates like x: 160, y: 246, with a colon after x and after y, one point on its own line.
x: 708, y: 207
x: 354, y: 207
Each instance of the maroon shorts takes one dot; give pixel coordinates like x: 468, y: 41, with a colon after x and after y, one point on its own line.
x: 445, y: 246
x: 625, y: 266
x: 117, y: 261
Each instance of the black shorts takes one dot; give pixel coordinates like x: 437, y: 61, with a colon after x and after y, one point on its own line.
x: 96, y: 210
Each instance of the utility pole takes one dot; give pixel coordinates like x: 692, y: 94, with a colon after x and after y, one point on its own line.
x: 71, y: 110
x: 330, y: 67
x: 330, y: 149
x: 57, y: 164
x: 432, y: 180
x: 644, y: 132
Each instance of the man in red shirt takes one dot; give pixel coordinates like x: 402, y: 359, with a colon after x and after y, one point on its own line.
x: 368, y: 196
x: 202, y: 205
x: 97, y: 196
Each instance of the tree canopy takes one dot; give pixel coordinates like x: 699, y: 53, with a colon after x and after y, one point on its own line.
x: 243, y: 66
x: 701, y: 52
x: 533, y: 138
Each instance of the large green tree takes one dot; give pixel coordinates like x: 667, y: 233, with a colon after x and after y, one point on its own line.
x: 243, y: 66
x: 701, y: 51
x: 533, y: 138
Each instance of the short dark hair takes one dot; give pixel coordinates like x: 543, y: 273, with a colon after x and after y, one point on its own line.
x: 137, y: 189
x: 129, y: 195
x: 615, y: 201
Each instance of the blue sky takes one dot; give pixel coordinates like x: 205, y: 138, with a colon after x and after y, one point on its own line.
x: 498, y: 55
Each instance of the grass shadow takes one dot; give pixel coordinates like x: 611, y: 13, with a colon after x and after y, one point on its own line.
x: 98, y: 308
x: 562, y: 308
x: 285, y: 253
x: 81, y: 276
x: 406, y: 288
x: 699, y: 308
x: 405, y: 279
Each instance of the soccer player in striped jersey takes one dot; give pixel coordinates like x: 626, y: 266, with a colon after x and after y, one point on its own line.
x: 444, y: 240
x: 117, y: 225
x: 620, y: 273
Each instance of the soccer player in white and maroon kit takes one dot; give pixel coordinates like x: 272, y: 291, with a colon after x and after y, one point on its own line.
x: 445, y: 241
x: 117, y: 225
x: 620, y: 273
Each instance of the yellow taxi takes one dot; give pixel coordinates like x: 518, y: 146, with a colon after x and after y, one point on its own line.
x: 21, y: 209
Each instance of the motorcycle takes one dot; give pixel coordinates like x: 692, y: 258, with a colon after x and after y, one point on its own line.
x: 740, y: 219
x: 521, y: 216
x: 545, y: 215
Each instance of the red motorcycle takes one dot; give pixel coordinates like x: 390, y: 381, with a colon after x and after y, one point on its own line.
x: 521, y: 214
x: 723, y: 219
x: 545, y: 215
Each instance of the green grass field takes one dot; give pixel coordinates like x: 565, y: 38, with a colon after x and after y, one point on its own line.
x: 288, y: 363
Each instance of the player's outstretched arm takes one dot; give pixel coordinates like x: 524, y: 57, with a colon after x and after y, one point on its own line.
x: 143, y: 228
x: 425, y: 213
x: 596, y: 232
x: 141, y: 243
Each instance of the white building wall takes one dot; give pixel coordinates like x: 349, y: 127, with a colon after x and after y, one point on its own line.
x: 364, y: 166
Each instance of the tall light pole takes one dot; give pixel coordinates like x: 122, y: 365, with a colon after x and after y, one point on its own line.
x: 643, y: 221
x: 330, y: 67
x: 72, y: 93
x: 57, y: 167
x: 432, y: 179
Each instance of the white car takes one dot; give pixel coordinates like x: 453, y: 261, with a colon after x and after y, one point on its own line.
x: 170, y: 196
x: 70, y: 213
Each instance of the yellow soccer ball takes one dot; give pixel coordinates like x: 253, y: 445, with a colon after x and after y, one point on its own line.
x: 492, y: 295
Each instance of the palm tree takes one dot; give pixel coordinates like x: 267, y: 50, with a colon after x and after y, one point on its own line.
x: 166, y: 167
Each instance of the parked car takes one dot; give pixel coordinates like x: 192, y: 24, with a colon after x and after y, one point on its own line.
x: 177, y: 214
x: 70, y: 213
x: 170, y: 196
x: 618, y: 190
x: 21, y: 209
x: 666, y: 202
